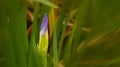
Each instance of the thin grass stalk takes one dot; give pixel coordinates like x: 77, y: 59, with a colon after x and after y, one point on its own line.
x: 61, y: 30
x: 55, y: 54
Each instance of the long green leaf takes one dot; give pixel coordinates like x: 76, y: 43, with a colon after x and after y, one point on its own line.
x: 46, y: 2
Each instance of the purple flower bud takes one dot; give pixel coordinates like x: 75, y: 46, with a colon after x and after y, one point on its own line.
x: 44, y: 25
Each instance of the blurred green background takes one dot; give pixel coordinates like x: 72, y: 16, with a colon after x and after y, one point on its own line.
x: 82, y: 33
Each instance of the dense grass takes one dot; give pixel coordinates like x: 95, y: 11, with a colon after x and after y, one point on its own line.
x: 82, y: 33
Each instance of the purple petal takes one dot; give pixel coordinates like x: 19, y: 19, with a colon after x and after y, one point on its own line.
x: 44, y: 25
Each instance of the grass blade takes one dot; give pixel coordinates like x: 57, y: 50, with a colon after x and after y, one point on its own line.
x: 46, y: 2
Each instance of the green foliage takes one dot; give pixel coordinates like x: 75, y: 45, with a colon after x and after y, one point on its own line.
x: 46, y: 2
x: 92, y: 40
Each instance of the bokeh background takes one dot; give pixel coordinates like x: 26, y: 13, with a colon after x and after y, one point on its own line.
x: 81, y: 33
